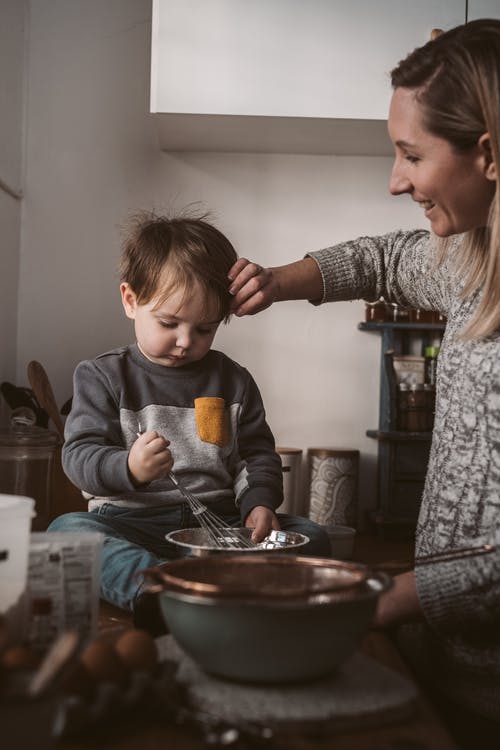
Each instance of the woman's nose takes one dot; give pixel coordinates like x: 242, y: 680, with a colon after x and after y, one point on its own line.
x: 399, y: 182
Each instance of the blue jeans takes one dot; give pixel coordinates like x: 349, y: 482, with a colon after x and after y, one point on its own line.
x: 134, y: 539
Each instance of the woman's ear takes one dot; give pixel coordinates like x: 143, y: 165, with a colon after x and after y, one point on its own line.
x: 489, y: 166
x: 129, y: 300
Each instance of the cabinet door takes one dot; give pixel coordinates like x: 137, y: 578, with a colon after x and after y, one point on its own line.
x: 483, y: 9
x: 286, y: 58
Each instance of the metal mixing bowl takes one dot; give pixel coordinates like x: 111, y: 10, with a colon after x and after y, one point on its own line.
x: 198, y: 543
x: 280, y: 577
x: 258, y: 637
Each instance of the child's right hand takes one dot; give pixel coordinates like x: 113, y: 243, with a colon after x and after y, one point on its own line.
x: 149, y: 458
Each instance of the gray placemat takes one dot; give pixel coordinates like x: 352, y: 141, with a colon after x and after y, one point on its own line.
x: 360, y: 689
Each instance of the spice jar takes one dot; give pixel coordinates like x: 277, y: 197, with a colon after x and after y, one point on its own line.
x: 413, y: 411
x: 430, y: 399
x: 376, y: 312
x: 431, y: 354
x: 402, y: 407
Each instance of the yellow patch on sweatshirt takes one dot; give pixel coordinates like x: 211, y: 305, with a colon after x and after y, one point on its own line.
x: 211, y: 420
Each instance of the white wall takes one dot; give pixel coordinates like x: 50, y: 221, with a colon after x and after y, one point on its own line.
x: 12, y: 20
x: 92, y: 157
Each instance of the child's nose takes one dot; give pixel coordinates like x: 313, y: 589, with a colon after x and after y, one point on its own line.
x: 183, y: 340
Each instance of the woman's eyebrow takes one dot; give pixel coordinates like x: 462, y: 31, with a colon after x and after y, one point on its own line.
x: 405, y: 144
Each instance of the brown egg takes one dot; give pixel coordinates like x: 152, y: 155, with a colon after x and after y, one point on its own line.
x: 102, y: 662
x: 19, y: 657
x: 137, y: 650
x: 77, y: 681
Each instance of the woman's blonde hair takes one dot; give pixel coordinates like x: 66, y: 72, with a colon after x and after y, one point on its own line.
x: 458, y: 80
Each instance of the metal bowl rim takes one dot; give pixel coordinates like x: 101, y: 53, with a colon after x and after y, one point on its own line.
x: 172, y: 574
x: 377, y: 583
x: 170, y: 537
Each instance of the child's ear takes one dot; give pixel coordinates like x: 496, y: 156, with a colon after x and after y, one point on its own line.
x: 489, y: 166
x: 129, y: 300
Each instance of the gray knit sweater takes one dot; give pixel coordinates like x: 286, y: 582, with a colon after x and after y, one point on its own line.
x: 460, y: 512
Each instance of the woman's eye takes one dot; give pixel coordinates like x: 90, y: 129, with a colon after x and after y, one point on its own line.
x: 412, y: 159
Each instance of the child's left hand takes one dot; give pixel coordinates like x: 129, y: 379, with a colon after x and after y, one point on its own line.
x: 262, y: 519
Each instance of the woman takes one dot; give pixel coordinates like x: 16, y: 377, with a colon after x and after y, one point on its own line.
x: 444, y: 122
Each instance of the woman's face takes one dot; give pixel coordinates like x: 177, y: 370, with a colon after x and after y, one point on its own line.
x: 453, y: 188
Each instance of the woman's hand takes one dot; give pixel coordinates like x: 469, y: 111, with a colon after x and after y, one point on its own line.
x: 262, y: 520
x: 254, y: 288
x: 399, y: 604
x: 149, y: 458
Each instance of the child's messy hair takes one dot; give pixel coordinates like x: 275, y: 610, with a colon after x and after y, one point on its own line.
x: 161, y: 255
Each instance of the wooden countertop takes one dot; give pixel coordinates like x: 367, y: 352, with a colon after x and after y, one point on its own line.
x: 422, y: 730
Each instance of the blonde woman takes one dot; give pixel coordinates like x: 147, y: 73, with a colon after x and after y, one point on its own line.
x: 444, y: 122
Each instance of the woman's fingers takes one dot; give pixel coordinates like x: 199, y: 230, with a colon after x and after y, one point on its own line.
x: 253, y: 287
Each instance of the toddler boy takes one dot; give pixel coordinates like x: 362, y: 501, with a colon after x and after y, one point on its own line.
x: 170, y: 400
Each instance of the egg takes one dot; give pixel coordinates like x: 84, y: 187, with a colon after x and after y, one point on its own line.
x: 19, y: 657
x: 137, y: 650
x: 102, y: 662
x: 77, y: 681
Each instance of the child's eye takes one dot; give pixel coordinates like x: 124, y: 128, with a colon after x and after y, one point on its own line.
x: 204, y: 331
x: 164, y: 324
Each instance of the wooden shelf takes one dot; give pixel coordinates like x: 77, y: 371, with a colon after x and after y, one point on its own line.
x: 372, y: 326
x: 399, y: 435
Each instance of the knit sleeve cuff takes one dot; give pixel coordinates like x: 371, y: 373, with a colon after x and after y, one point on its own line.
x: 337, y: 267
x: 461, y: 590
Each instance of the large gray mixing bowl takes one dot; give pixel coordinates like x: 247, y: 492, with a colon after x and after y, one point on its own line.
x: 270, y: 639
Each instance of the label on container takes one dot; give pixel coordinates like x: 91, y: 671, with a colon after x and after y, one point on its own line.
x: 63, y: 585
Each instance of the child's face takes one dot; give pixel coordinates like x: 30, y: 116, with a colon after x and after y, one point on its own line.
x: 175, y: 333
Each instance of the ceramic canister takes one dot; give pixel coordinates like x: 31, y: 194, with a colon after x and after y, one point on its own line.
x: 333, y: 486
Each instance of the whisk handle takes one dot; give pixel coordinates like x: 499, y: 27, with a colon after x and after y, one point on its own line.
x: 173, y: 478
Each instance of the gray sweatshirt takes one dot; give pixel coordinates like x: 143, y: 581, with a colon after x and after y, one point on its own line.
x: 460, y: 511
x: 211, y: 411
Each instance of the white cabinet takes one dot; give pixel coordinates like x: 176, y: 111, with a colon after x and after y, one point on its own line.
x: 283, y: 75
x: 483, y: 9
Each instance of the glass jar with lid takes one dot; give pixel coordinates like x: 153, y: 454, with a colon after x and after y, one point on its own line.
x: 26, y: 463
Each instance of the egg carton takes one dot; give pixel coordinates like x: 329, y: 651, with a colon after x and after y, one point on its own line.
x: 76, y: 714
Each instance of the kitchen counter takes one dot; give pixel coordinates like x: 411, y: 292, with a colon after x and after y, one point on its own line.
x: 422, y: 730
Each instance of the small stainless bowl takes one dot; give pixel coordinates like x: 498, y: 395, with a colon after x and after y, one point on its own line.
x: 198, y: 543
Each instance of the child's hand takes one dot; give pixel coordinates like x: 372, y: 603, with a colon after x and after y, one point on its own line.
x: 149, y: 457
x: 263, y: 520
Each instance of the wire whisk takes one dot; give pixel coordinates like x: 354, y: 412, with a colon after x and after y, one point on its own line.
x: 219, y: 532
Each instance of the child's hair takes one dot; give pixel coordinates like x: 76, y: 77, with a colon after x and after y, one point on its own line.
x: 161, y: 255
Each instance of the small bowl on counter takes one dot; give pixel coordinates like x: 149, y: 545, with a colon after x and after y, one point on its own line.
x: 197, y: 542
x: 267, y: 618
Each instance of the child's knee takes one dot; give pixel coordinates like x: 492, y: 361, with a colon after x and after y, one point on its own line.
x: 70, y: 522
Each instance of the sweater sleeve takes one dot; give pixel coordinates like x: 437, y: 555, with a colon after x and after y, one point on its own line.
x: 401, y: 267
x: 460, y: 591
x: 259, y: 479
x: 94, y: 455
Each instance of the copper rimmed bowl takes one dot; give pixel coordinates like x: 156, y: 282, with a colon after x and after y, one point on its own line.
x: 267, y: 618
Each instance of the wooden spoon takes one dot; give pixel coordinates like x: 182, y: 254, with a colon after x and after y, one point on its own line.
x: 42, y: 389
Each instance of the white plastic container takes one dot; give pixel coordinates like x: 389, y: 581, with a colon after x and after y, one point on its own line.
x: 16, y: 512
